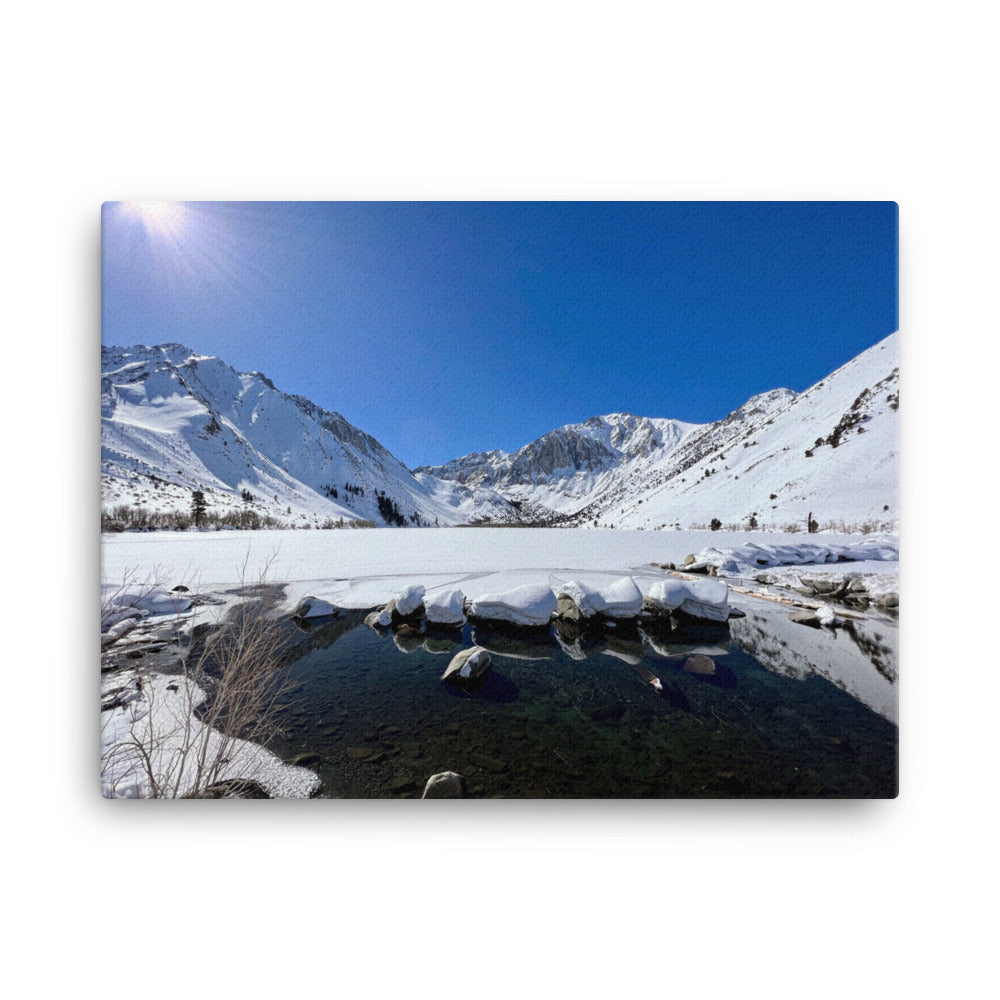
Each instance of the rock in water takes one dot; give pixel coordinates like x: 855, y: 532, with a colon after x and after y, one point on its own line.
x: 409, y: 600
x: 445, y: 607
x: 446, y: 785
x: 374, y: 620
x: 468, y: 669
x: 530, y: 605
x: 700, y: 664
x: 313, y: 607
x: 804, y: 618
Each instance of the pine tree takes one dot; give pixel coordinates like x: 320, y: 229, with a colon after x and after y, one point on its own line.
x: 199, y: 507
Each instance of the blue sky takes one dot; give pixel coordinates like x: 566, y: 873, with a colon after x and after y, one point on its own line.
x: 448, y: 327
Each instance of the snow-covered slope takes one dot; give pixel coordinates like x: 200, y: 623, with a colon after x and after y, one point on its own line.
x: 173, y: 421
x: 831, y: 451
x: 574, y: 465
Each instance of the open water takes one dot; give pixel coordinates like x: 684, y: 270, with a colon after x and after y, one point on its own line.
x: 568, y: 715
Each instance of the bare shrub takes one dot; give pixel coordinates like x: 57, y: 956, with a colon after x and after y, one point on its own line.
x: 179, y: 735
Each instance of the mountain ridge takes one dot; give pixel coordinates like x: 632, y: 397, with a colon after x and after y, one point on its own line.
x: 191, y: 421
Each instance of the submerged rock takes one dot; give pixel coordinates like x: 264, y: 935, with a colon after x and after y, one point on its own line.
x: 700, y: 664
x: 611, y: 711
x: 445, y: 785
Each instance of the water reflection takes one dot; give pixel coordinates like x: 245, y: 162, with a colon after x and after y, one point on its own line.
x: 777, y: 710
x: 860, y: 658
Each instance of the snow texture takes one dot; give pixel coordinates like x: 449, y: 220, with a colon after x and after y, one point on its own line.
x: 445, y: 606
x: 620, y: 598
x: 699, y: 598
x: 151, y: 728
x: 530, y: 604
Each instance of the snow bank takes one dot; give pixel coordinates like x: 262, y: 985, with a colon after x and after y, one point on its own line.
x: 750, y: 558
x: 149, y: 726
x: 530, y: 604
x: 152, y: 601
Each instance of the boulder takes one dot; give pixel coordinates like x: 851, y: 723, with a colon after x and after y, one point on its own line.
x: 822, y: 584
x: 445, y: 607
x: 446, y: 785
x: 703, y: 666
x: 409, y: 600
x: 313, y: 607
x: 530, y: 605
x: 809, y: 618
x: 567, y: 610
x: 707, y: 600
x: 468, y: 669
x: 618, y: 599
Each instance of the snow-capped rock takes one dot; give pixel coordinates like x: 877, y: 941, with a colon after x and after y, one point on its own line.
x: 313, y: 607
x: 409, y: 599
x: 532, y: 604
x: 707, y: 599
x: 618, y: 599
x: 445, y: 607
x: 468, y: 669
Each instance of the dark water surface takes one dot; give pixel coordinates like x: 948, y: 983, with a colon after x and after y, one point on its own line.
x: 574, y: 719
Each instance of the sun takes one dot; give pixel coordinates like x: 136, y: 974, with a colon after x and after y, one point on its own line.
x: 163, y: 217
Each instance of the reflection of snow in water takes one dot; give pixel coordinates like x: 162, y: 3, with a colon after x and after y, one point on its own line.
x: 860, y: 658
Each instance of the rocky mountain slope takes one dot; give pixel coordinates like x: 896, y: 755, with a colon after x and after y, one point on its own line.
x: 173, y: 421
x: 831, y: 451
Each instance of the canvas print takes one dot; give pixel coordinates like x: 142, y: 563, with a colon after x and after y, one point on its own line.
x: 527, y: 500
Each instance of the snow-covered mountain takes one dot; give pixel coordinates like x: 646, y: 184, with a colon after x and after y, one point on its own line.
x: 831, y: 451
x: 173, y: 421
x: 572, y: 465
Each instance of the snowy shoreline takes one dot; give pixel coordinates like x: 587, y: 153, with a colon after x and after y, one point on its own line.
x: 364, y: 569
x: 519, y: 571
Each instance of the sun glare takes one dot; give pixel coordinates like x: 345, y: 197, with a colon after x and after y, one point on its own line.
x: 158, y: 216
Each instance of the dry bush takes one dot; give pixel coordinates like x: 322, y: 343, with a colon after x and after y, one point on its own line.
x: 181, y: 734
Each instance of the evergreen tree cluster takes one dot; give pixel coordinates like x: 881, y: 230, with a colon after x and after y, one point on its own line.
x: 390, y: 511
